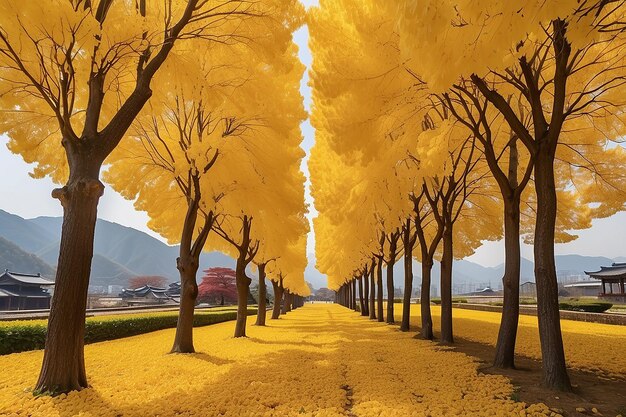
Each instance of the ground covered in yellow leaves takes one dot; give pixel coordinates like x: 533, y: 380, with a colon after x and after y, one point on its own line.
x: 592, y: 347
x: 320, y: 360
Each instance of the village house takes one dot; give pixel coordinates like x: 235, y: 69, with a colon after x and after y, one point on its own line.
x: 146, y: 295
x: 19, y: 291
x: 613, y: 279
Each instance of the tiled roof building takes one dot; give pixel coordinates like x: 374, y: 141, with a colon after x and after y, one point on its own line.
x: 19, y: 291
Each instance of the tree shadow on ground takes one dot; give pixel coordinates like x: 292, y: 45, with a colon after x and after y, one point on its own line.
x: 591, y: 390
x: 343, y: 364
x: 209, y: 358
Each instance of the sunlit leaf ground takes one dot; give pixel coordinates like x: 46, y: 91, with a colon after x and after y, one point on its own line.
x: 592, y: 347
x: 321, y: 360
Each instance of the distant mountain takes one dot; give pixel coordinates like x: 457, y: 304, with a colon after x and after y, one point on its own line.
x: 27, y: 235
x: 577, y: 264
x: 138, y: 252
x: 120, y: 252
x: 527, y: 271
x: 15, y: 259
x: 467, y: 275
x: 104, y: 271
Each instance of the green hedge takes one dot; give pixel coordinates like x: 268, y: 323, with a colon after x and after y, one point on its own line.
x: 21, y: 338
x: 437, y: 301
x: 585, y: 306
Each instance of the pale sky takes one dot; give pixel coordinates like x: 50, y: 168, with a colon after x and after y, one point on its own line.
x: 27, y: 197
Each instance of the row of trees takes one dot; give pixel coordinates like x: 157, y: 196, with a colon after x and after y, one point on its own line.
x: 447, y: 123
x: 193, y: 109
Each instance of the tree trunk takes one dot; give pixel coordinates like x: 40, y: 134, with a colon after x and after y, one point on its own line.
x: 553, y: 358
x: 354, y: 294
x: 284, y: 309
x: 408, y: 283
x: 366, y: 295
x: 390, y: 284
x: 446, y: 286
x: 243, y: 289
x: 427, y: 318
x: 187, y: 267
x: 63, y: 367
x: 187, y: 264
x: 361, y: 294
x: 262, y: 311
x: 372, y: 292
x: 379, y: 290
x: 288, y: 301
x: 505, y: 347
x: 278, y: 295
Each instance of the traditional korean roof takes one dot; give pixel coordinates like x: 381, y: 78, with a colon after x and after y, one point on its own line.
x: 615, y: 270
x: 584, y: 284
x: 18, y: 278
x: 174, y: 289
x: 144, y: 291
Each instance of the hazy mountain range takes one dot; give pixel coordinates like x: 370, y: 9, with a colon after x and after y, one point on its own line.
x: 120, y: 252
x: 468, y: 276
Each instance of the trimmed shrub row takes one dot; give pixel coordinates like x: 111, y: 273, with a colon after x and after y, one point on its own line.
x: 22, y: 338
x: 437, y: 301
x: 585, y: 306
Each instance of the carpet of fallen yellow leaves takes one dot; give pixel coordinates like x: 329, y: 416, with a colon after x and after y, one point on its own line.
x: 320, y: 360
x: 592, y: 347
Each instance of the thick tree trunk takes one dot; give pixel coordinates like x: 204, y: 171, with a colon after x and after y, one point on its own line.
x: 262, y: 311
x: 379, y: 290
x: 354, y: 295
x: 427, y: 318
x: 366, y: 295
x: 553, y: 358
x: 278, y: 295
x: 408, y: 281
x: 187, y: 267
x: 505, y: 347
x: 361, y: 294
x: 446, y: 286
x: 187, y: 264
x: 243, y: 289
x: 390, y: 284
x: 373, y: 292
x: 63, y: 367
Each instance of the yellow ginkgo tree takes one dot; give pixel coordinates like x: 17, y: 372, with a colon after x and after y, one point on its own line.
x: 74, y: 75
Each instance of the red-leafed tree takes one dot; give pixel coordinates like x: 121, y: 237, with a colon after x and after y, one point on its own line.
x: 143, y: 280
x: 219, y: 285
